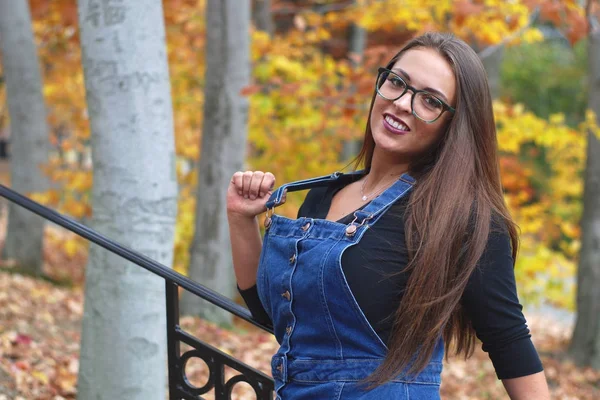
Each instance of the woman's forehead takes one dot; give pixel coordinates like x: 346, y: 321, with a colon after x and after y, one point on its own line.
x: 427, y: 68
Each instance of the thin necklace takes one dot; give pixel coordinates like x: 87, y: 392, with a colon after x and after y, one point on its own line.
x: 366, y: 196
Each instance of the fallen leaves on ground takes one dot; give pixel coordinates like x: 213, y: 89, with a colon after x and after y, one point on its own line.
x: 39, y: 337
x: 40, y: 332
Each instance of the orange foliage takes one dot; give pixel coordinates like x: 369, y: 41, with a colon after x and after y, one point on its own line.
x: 305, y: 102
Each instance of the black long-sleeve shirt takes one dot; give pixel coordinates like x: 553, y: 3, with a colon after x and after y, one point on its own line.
x: 372, y: 266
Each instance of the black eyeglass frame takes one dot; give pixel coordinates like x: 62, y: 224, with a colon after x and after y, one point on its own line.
x: 414, y: 90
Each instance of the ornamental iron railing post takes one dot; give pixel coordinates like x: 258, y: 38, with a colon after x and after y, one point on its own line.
x: 179, y: 386
x: 173, y: 347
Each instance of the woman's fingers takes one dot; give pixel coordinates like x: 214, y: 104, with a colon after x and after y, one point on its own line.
x: 237, y: 181
x: 268, y: 184
x: 255, y: 184
x: 246, y: 181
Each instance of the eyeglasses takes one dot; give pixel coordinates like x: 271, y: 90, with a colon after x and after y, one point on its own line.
x: 424, y: 105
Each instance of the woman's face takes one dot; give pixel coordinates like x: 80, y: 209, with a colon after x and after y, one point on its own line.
x: 395, y: 129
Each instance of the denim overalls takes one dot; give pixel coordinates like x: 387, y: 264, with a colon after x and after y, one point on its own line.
x: 326, y: 343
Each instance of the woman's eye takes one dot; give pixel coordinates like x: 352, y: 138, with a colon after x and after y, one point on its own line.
x: 396, y: 81
x: 432, y: 102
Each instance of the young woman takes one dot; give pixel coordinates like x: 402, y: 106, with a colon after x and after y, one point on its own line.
x: 387, y: 267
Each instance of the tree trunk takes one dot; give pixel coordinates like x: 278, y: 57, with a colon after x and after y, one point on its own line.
x: 585, y: 343
x: 493, y: 64
x: 357, y: 41
x: 263, y: 19
x: 29, y: 132
x: 134, y: 198
x: 224, y: 134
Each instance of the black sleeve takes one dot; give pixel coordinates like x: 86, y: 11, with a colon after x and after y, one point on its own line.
x: 256, y: 308
x: 491, y: 301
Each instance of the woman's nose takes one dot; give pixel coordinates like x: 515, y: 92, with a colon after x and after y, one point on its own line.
x: 404, y: 102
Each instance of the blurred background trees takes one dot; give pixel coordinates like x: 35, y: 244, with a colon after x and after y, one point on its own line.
x: 312, y: 65
x: 223, y: 150
x: 29, y: 132
x: 585, y: 344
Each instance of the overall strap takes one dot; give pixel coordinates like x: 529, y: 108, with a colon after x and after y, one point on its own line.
x: 325, y: 180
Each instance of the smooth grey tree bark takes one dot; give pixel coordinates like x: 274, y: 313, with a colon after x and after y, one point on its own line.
x: 224, y: 136
x: 262, y: 16
x: 585, y: 343
x: 357, y: 41
x: 493, y: 63
x: 134, y: 198
x: 29, y: 132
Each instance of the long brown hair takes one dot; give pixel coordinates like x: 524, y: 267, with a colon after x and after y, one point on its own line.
x: 448, y: 217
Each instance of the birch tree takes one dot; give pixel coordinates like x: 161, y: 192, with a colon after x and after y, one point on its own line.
x: 29, y: 132
x: 123, y: 349
x: 585, y: 343
x: 224, y: 134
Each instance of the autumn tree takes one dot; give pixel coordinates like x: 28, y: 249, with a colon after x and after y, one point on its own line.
x: 492, y: 61
x: 29, y: 132
x: 223, y: 150
x: 357, y: 42
x: 262, y: 16
x: 307, y: 100
x: 123, y: 349
x: 585, y: 343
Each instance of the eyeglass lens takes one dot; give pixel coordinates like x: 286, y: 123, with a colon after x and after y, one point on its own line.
x: 391, y: 87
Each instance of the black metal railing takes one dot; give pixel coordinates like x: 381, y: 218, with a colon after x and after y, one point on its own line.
x: 179, y: 385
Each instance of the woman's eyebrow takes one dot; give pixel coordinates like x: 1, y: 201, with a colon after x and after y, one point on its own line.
x: 429, y: 89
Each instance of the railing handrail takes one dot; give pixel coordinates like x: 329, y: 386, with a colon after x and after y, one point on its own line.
x: 131, y: 255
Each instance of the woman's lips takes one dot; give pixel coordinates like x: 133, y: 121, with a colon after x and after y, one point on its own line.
x: 397, y: 131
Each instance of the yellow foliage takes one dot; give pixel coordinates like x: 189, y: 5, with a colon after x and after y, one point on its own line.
x: 484, y: 23
x: 49, y: 198
x: 532, y: 35
x: 184, y: 230
x: 550, y: 234
x: 70, y: 247
x: 305, y: 103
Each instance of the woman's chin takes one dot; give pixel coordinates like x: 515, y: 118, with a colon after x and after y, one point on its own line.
x: 390, y: 143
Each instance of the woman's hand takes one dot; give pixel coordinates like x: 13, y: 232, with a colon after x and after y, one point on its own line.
x: 248, y: 193
x: 247, y: 196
